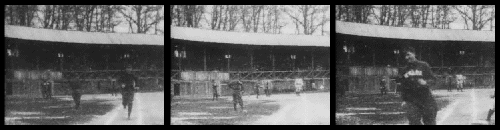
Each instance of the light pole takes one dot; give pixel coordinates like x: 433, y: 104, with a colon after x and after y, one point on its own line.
x: 228, y: 57
x: 61, y: 56
x: 293, y: 57
x: 396, y: 52
x: 461, y: 57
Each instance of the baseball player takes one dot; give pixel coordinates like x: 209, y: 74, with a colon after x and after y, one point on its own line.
x: 257, y: 87
x: 46, y: 89
x: 237, y: 92
x: 128, y: 83
x: 267, y: 89
x: 383, y: 89
x: 75, y: 86
x: 460, y: 82
x: 214, y: 86
x: 449, y: 81
x: 491, y: 111
x: 298, y: 86
x: 417, y: 97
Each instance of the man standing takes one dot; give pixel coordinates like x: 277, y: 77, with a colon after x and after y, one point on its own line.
x: 383, y: 89
x: 75, y: 86
x: 298, y: 86
x: 449, y: 81
x: 267, y: 89
x: 257, y: 87
x: 491, y: 111
x: 114, y: 89
x: 215, y: 85
x: 237, y: 92
x: 460, y: 82
x: 417, y: 97
x: 46, y: 89
x: 128, y: 83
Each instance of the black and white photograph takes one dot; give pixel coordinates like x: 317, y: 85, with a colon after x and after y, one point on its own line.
x: 415, y: 64
x: 84, y: 64
x: 250, y: 65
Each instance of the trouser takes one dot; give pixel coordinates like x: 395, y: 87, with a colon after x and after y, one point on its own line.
x: 449, y: 87
x: 215, y: 96
x: 460, y: 86
x: 114, y: 91
x: 257, y: 92
x: 237, y: 99
x: 418, y: 113
x: 76, y: 98
x: 383, y: 91
x: 127, y: 98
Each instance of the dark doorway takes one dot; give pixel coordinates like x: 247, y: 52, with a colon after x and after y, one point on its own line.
x: 177, y: 89
x: 8, y: 90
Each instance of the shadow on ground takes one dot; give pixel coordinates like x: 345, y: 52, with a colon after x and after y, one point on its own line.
x: 36, y: 111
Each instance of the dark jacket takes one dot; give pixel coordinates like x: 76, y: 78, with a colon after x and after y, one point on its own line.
x: 411, y: 90
x: 128, y: 80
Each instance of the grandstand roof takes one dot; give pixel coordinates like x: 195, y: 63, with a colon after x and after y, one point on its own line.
x: 413, y: 33
x: 204, y: 35
x: 30, y: 33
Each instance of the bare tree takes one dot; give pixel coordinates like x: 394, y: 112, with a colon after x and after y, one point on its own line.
x: 306, y: 16
x: 142, y: 16
x: 476, y: 14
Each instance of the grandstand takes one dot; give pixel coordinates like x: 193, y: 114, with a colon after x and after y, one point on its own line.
x: 199, y: 55
x: 367, y: 52
x: 94, y: 57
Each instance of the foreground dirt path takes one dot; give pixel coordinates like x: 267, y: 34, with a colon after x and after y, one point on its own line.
x: 468, y: 107
x: 148, y: 109
x: 307, y: 109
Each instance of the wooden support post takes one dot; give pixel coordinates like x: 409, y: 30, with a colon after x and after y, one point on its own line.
x: 273, y: 64
x: 37, y: 62
x: 373, y: 57
x: 205, y: 59
x: 251, y: 60
x: 312, y: 59
x: 442, y: 56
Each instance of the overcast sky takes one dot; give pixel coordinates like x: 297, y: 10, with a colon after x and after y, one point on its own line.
x: 288, y: 29
x: 123, y: 27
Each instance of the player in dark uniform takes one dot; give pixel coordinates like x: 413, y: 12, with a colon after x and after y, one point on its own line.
x: 491, y: 111
x: 114, y: 88
x: 237, y: 92
x: 449, y: 82
x: 417, y: 97
x: 215, y: 85
x: 46, y: 89
x: 75, y: 86
x: 383, y: 89
x: 267, y: 89
x: 257, y: 89
x: 128, y: 85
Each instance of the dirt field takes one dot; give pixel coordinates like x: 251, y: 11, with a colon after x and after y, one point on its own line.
x: 275, y: 110
x: 96, y: 109
x: 455, y: 108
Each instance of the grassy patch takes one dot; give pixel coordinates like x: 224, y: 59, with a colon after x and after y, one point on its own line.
x: 36, y: 111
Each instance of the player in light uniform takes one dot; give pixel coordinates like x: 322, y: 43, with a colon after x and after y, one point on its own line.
x: 460, y: 82
x: 491, y: 111
x: 298, y: 86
